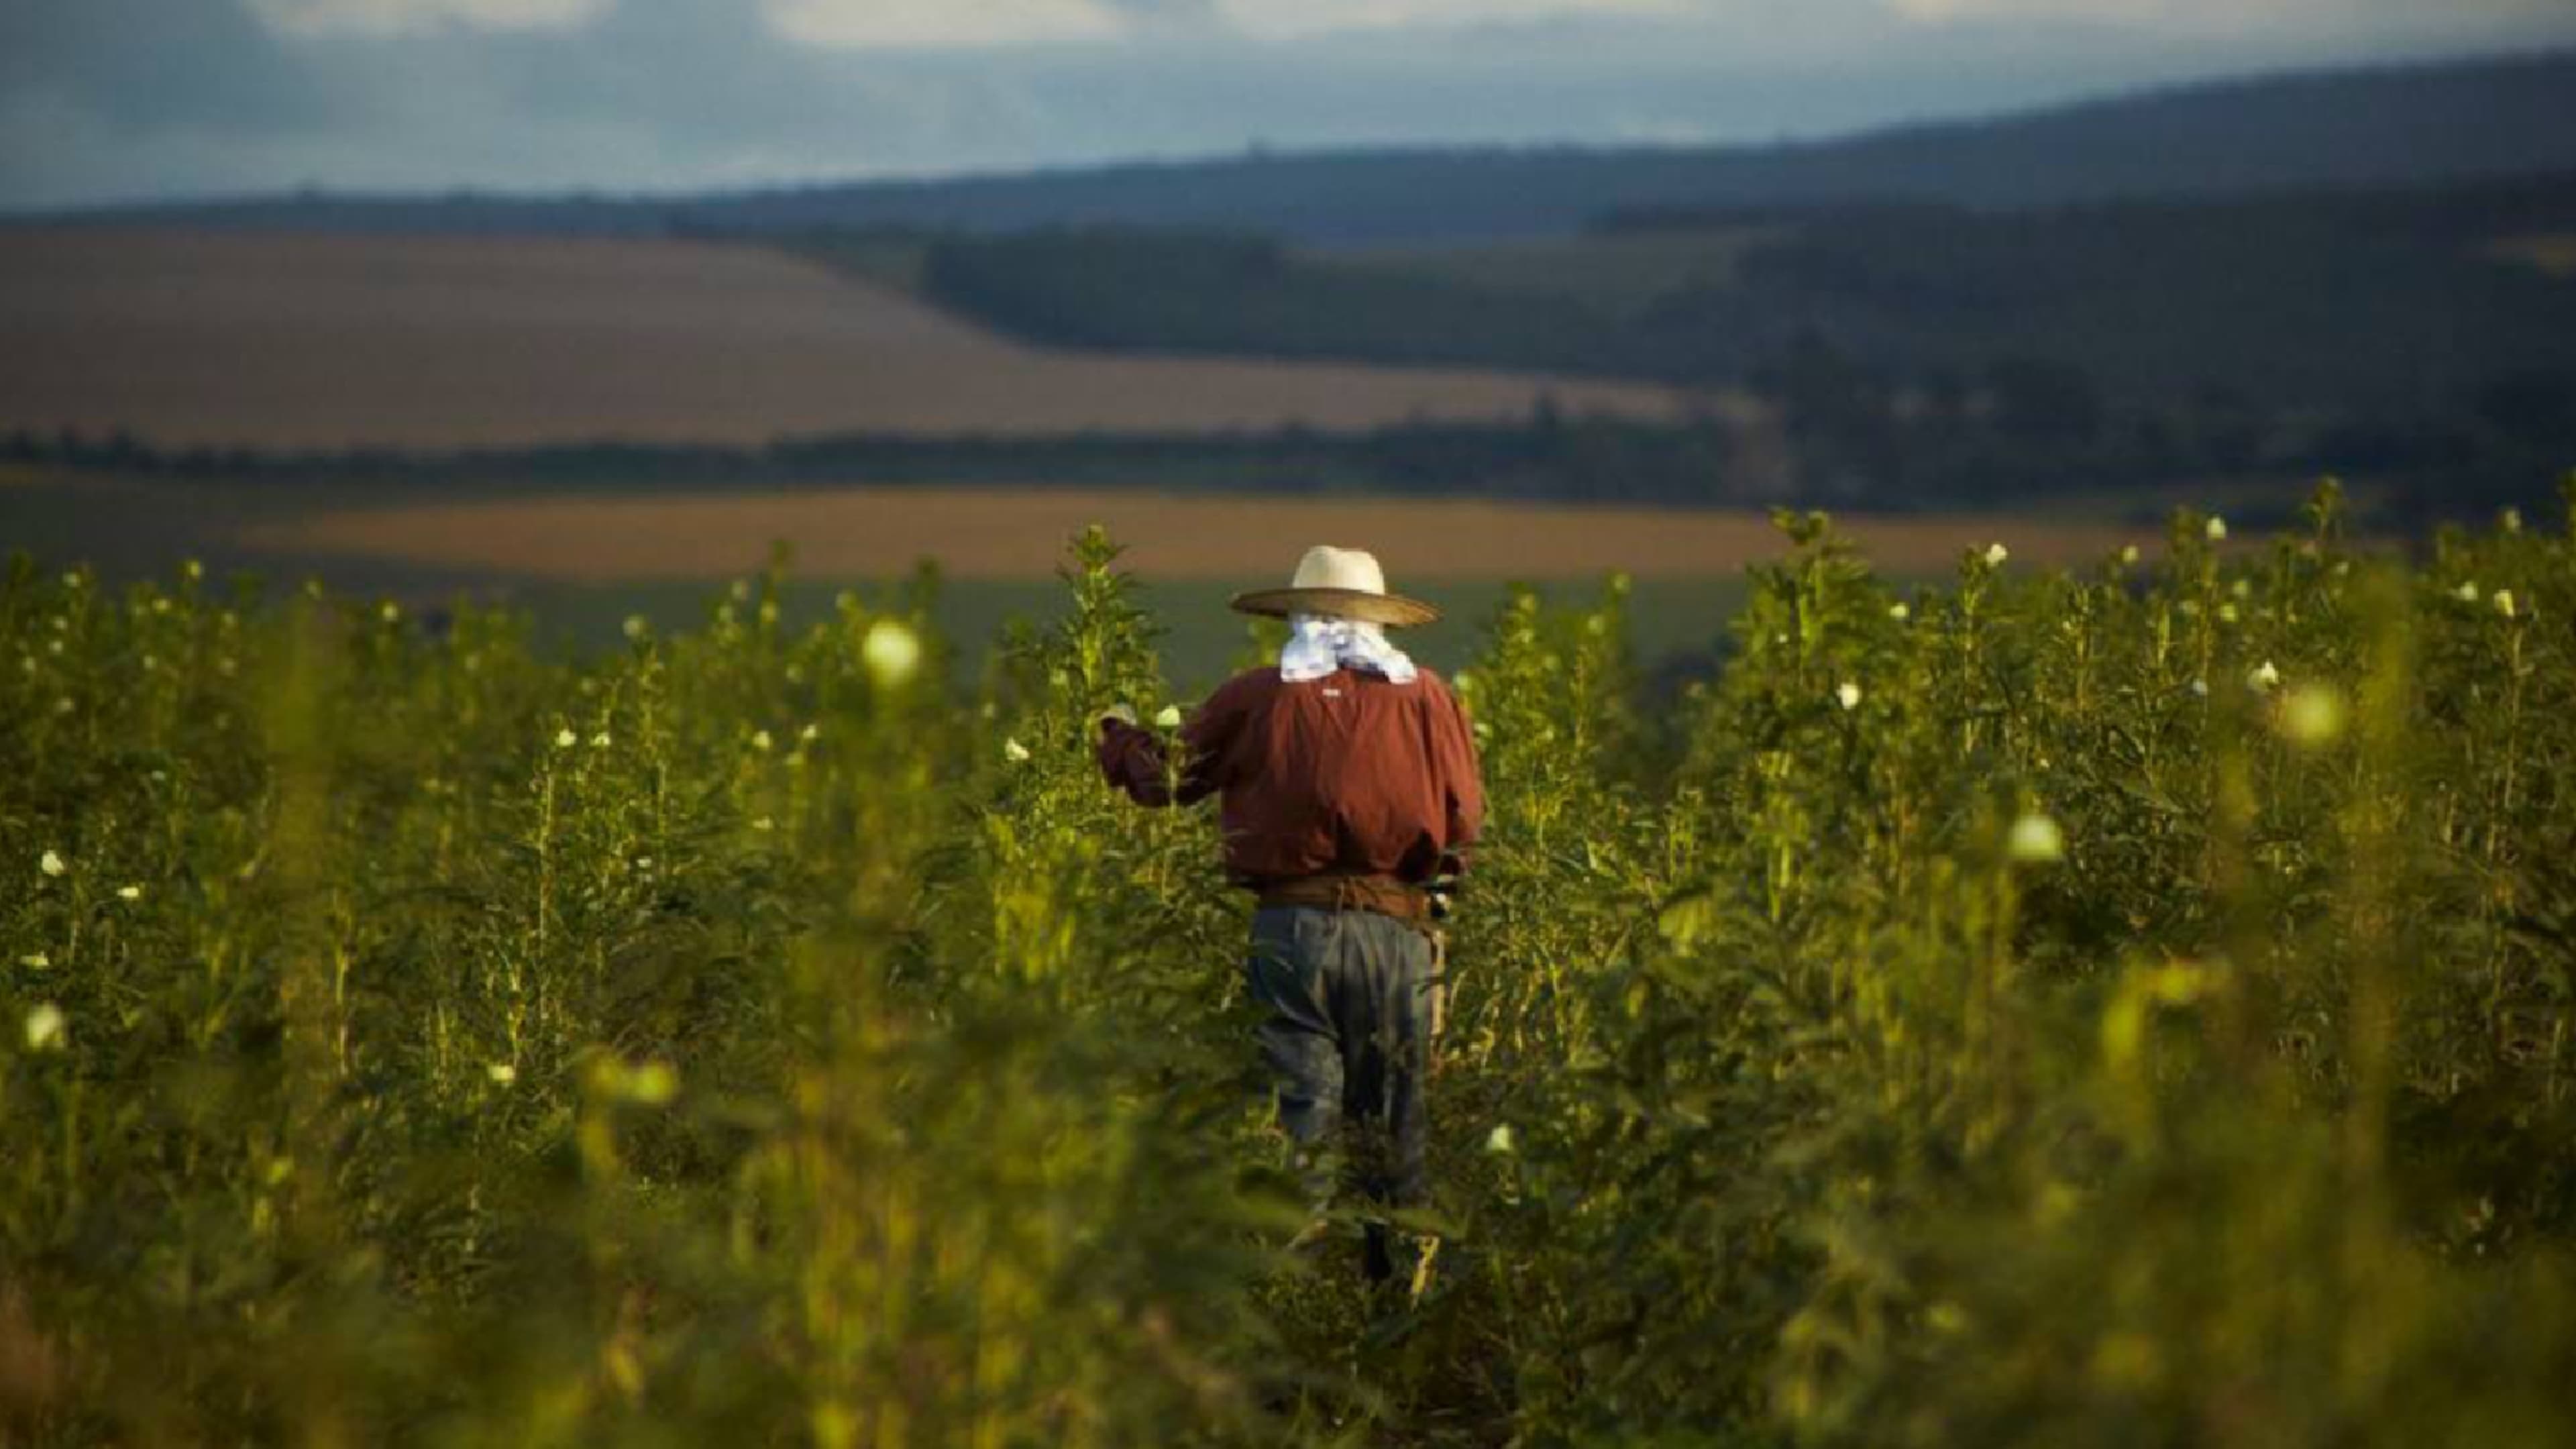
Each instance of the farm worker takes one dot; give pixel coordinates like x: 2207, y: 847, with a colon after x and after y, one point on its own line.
x: 1349, y: 785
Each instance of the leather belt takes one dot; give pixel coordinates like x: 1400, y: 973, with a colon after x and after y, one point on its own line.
x: 1382, y: 894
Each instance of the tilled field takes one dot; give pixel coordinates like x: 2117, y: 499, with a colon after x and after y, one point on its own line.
x: 211, y: 340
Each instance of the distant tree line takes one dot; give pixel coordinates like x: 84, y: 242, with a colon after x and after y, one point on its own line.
x: 2023, y: 430
x: 2360, y: 300
x: 1923, y: 354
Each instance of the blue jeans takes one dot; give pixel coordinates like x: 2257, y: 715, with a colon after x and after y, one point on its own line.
x: 1348, y: 1039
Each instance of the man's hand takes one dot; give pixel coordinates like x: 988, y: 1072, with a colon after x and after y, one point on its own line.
x: 1123, y: 713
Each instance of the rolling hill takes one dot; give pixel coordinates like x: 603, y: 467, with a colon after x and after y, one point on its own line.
x: 2384, y: 126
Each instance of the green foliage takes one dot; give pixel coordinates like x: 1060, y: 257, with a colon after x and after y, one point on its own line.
x: 2130, y: 1007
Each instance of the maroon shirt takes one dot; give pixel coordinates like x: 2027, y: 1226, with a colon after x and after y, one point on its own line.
x: 1349, y: 774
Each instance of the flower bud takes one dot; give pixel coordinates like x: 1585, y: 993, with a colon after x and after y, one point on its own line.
x: 2035, y: 840
x: 891, y: 652
x: 2311, y: 715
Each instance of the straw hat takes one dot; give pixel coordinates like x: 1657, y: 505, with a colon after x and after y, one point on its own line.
x: 1345, y: 583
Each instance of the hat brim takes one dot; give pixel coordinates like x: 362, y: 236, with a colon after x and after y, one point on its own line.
x: 1392, y: 610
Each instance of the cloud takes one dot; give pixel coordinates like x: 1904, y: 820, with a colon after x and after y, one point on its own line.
x: 1292, y: 19
x: 403, y: 17
x: 945, y: 24
x: 1004, y: 24
x: 206, y: 67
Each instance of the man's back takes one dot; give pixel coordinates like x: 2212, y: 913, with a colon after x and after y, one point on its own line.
x: 1349, y: 774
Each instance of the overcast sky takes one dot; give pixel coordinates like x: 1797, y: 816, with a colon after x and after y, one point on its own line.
x: 104, y: 100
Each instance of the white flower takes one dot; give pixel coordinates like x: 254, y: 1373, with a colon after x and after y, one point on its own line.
x: 565, y: 739
x: 2035, y: 840
x: 2128, y: 553
x: 741, y: 590
x: 502, y: 1073
x: 600, y: 741
x: 391, y: 611
x: 2504, y: 602
x: 809, y: 734
x: 44, y: 1027
x: 1014, y: 751
x: 1849, y: 694
x: 2242, y: 588
x: 2216, y: 528
x: 1899, y: 612
x: 2510, y: 520
x: 2263, y: 676
x: 635, y: 626
x: 2468, y: 593
x: 760, y: 740
x: 2311, y: 714
x: 764, y: 823
x: 129, y: 893
x: 1996, y: 553
x: 36, y: 961
x: 650, y: 1085
x: 2200, y: 687
x: 51, y: 864
x: 1170, y: 718
x: 2227, y: 613
x: 1500, y: 1139
x: 891, y: 651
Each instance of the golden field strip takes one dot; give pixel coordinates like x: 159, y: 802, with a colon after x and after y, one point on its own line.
x: 1016, y: 533
x: 315, y: 342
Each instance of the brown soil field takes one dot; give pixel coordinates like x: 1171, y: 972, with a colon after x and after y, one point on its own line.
x: 993, y: 533
x: 196, y: 339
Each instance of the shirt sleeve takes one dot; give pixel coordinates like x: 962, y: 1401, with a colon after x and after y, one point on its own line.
x: 1134, y: 760
x: 1453, y: 742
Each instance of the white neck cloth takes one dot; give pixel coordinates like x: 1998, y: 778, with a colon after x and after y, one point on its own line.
x: 1317, y: 646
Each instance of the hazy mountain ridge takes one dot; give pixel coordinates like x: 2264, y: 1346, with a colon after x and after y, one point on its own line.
x: 2385, y: 126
